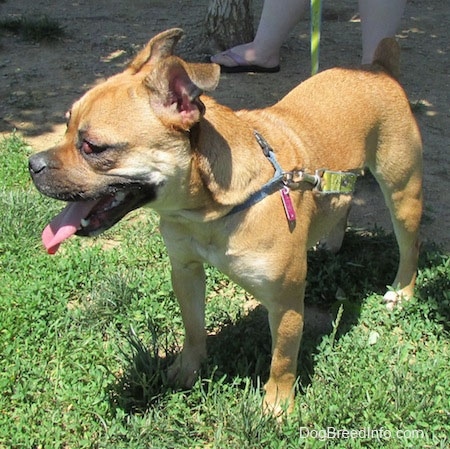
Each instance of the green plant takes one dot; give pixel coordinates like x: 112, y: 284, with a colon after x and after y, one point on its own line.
x: 36, y: 29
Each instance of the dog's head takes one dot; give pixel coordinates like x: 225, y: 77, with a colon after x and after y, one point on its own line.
x: 127, y: 142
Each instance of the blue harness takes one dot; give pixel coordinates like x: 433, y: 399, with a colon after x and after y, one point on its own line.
x: 274, y: 184
x: 323, y: 181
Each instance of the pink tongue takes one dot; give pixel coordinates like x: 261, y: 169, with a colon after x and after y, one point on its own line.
x: 65, y: 224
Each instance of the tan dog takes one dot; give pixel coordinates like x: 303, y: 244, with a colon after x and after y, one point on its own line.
x: 147, y: 137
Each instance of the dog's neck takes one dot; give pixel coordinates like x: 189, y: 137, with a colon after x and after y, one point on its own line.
x: 228, y: 158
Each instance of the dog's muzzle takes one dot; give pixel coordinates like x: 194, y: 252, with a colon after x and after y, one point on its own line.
x: 89, y: 211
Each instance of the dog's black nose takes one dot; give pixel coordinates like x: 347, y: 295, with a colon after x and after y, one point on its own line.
x: 37, y: 163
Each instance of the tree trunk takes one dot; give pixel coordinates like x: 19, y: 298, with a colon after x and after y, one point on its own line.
x: 228, y: 23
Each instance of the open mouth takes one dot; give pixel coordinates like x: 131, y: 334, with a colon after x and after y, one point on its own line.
x: 92, y: 217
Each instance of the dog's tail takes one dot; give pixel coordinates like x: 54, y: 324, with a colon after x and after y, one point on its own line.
x: 387, y: 55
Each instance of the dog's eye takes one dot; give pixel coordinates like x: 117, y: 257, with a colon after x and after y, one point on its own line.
x: 90, y: 148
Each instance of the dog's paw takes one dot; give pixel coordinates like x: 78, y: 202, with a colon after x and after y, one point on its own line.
x: 394, y: 298
x: 278, y: 400
x: 278, y: 410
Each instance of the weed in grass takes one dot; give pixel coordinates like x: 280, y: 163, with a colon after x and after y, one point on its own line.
x: 109, y: 298
x: 35, y: 29
x: 145, y: 381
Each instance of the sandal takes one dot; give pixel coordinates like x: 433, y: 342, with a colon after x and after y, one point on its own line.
x: 242, y: 66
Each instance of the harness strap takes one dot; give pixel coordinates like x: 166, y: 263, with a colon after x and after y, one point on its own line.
x: 323, y: 182
x: 274, y: 184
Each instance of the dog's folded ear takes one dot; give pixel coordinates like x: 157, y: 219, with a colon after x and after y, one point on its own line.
x: 204, y: 75
x: 175, y: 87
x: 162, y: 46
x: 159, y: 47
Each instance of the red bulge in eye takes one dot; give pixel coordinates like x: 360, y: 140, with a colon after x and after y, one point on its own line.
x: 90, y: 148
x: 87, y: 147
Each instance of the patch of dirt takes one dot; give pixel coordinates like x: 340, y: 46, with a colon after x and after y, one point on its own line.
x: 39, y: 82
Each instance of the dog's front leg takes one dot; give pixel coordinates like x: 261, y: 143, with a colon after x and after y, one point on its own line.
x: 188, y: 283
x: 286, y: 327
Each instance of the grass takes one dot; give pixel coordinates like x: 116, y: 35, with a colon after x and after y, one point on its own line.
x: 34, y: 29
x: 86, y: 336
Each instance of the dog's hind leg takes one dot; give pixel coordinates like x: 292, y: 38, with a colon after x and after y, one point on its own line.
x: 406, y: 210
x: 400, y: 179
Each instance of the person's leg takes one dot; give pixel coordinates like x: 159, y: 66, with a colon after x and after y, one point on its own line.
x: 379, y: 19
x: 277, y: 20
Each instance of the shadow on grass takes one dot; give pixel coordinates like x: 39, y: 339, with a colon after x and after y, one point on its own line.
x: 433, y: 286
x: 242, y: 349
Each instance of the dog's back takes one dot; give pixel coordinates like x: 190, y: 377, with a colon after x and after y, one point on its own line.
x: 337, y: 113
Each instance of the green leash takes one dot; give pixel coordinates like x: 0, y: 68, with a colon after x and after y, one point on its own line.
x: 316, y: 20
